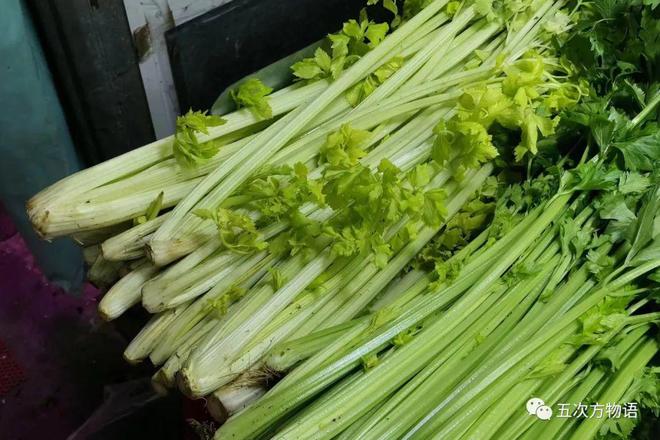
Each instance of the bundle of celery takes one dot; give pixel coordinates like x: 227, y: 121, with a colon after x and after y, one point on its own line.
x: 409, y: 239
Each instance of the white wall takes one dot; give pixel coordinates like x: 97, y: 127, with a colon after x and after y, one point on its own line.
x: 154, y: 18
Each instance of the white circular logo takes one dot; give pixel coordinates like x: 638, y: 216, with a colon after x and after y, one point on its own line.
x: 533, y: 404
x: 544, y: 412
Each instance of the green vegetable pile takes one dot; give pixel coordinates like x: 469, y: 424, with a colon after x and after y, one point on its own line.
x: 445, y: 215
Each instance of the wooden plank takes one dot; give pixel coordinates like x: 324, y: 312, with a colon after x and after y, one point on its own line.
x: 90, y: 51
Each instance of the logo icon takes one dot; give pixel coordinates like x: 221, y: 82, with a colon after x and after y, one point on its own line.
x: 537, y: 407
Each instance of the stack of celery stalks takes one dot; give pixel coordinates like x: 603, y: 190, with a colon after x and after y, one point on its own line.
x: 443, y: 216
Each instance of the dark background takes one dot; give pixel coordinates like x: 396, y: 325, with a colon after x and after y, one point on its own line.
x: 93, y: 58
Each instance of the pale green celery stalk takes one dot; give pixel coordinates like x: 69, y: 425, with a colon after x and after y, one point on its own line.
x: 365, y: 119
x: 494, y: 325
x: 177, y: 331
x: 467, y: 333
x: 403, y: 296
x: 494, y: 46
x: 91, y: 253
x: 424, y: 35
x: 223, y: 276
x: 445, y: 73
x: 403, y: 141
x: 126, y: 292
x: 619, y: 384
x: 543, y: 312
x: 164, y: 251
x: 420, y: 125
x: 341, y: 385
x: 318, y: 319
x: 366, y: 294
x: 182, y: 267
x: 340, y: 273
x: 365, y: 284
x: 320, y: 358
x: 355, y: 292
x: 188, y: 244
x: 166, y: 375
x: 516, y: 43
x: 496, y: 322
x: 568, y: 289
x: 456, y: 426
x: 584, y: 388
x: 199, y: 375
x: 39, y: 205
x: 231, y: 399
x: 590, y: 386
x: 467, y: 42
x: 287, y: 321
x: 255, y: 299
x: 407, y: 160
x: 506, y: 360
x: 520, y: 41
x: 277, y: 135
x: 297, y: 391
x: 320, y: 138
x: 162, y: 247
x: 344, y: 104
x: 285, y: 355
x: 455, y: 79
x: 85, y: 216
x: 193, y: 279
x: 502, y: 412
x: 472, y: 270
x: 160, y: 175
x: 427, y: 70
x: 261, y: 343
x: 410, y: 358
x: 329, y: 430
x: 411, y: 46
x: 309, y: 145
x: 208, y: 230
x: 446, y: 77
x: 148, y: 337
x: 102, y: 272
x: 49, y: 200
x: 344, y: 379
x: 517, y: 40
x: 396, y: 288
x: 406, y: 49
x: 252, y: 355
x: 129, y: 244
x: 219, y: 263
x: 569, y: 379
x: 351, y: 433
x: 338, y: 375
x: 550, y: 393
x: 440, y: 42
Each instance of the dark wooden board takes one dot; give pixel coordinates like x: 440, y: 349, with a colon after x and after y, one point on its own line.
x: 89, y: 48
x: 215, y: 50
